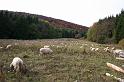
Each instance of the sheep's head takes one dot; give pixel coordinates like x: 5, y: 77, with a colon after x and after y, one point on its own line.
x: 12, y: 68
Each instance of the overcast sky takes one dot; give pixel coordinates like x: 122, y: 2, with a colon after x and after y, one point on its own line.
x: 83, y: 12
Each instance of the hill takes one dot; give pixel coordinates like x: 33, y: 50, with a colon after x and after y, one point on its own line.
x: 108, y: 30
x: 55, y: 22
x: 63, y: 24
x: 21, y: 25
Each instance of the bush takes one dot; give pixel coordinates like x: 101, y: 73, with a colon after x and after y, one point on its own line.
x: 121, y: 43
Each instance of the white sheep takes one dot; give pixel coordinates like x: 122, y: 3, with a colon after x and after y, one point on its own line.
x: 106, y: 49
x: 45, y: 51
x: 92, y: 49
x: 8, y: 46
x: 46, y: 46
x: 121, y: 53
x: 96, y: 49
x: 17, y: 65
x: 116, y: 52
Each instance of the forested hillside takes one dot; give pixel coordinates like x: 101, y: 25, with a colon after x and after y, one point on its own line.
x: 18, y: 25
x: 119, y: 29
x: 107, y: 30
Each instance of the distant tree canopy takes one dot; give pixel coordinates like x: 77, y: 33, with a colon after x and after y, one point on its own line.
x: 107, y: 30
x: 119, y: 29
x: 21, y: 26
x: 102, y: 31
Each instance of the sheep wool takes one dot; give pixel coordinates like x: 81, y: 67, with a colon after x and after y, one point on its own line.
x: 117, y: 51
x: 45, y: 51
x: 92, y: 49
x: 8, y: 46
x: 96, y: 49
x: 46, y: 46
x: 16, y: 64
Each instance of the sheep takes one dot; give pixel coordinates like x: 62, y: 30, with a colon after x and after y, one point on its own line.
x: 92, y: 49
x: 96, y: 49
x: 106, y: 49
x: 18, y: 65
x: 53, y: 45
x: 116, y: 52
x: 121, y: 53
x: 45, y: 51
x: 46, y: 46
x: 118, y: 79
x: 8, y: 46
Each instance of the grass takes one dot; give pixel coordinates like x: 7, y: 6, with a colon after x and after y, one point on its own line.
x: 71, y: 61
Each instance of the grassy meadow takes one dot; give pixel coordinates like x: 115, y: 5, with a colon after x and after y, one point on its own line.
x: 71, y: 61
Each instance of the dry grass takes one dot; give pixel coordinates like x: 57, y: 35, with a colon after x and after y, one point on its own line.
x: 71, y: 61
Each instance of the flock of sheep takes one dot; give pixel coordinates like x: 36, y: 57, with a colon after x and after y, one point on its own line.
x: 112, y: 50
x: 18, y: 65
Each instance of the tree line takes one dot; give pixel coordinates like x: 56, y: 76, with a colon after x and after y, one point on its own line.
x: 25, y: 26
x: 107, y: 30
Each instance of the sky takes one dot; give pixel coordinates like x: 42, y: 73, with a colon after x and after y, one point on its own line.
x: 83, y: 12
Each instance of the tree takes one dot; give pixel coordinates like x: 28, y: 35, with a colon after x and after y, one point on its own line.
x: 102, y: 31
x: 119, y: 30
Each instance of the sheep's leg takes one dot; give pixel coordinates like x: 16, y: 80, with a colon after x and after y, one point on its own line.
x: 40, y: 53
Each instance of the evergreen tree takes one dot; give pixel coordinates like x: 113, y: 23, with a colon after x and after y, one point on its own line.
x: 119, y: 30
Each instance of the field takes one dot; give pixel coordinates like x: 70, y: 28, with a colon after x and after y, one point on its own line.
x: 71, y: 61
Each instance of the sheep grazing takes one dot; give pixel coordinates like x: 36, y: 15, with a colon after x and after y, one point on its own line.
x: 17, y: 65
x: 8, y: 46
x: 117, y: 51
x: 46, y: 51
x: 92, y: 49
x: 106, y: 49
x: 121, y: 53
x: 96, y: 49
x: 46, y: 46
x: 114, y: 77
